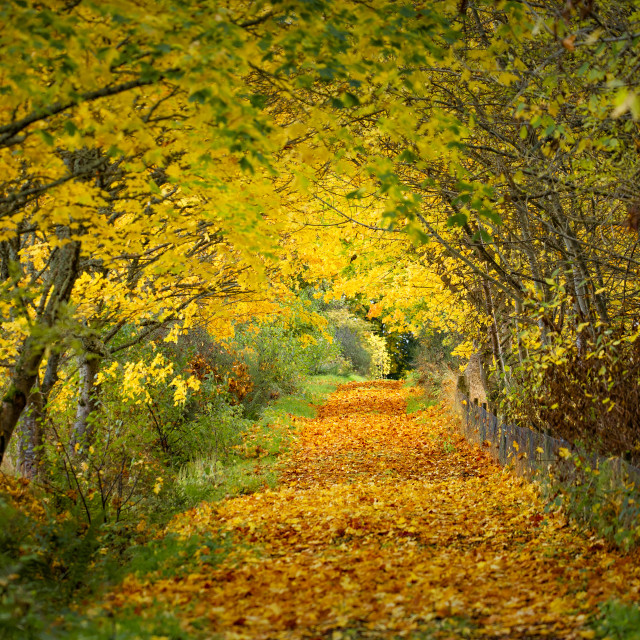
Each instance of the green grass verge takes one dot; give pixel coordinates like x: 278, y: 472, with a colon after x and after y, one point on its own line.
x: 618, y: 621
x: 418, y: 403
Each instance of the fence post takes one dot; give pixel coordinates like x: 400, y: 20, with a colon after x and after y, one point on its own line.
x: 531, y: 453
x: 467, y: 410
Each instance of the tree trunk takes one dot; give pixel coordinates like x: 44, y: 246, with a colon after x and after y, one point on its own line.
x: 83, y: 432
x: 31, y: 436
x: 33, y: 419
x: 493, y: 330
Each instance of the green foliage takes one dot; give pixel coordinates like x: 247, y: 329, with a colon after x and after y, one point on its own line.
x: 44, y: 562
x: 618, y: 621
x: 173, y: 555
x: 277, y: 357
x: 600, y: 495
x: 247, y: 465
x: 129, y: 625
x: 117, y: 477
x: 141, y: 437
x: 349, y: 332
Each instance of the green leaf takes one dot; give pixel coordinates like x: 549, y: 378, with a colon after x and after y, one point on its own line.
x: 490, y: 214
x: 350, y: 100
x: 47, y: 137
x: 481, y: 234
x: 70, y: 127
x: 407, y: 156
x: 457, y: 220
x: 245, y: 165
x: 200, y: 96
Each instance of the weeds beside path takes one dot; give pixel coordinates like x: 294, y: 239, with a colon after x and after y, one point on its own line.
x: 387, y: 525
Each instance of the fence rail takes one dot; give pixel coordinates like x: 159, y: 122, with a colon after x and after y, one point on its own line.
x: 529, y: 451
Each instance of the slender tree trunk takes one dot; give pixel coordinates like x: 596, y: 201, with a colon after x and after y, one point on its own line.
x: 33, y: 420
x: 522, y: 351
x: 31, y: 437
x: 83, y: 432
x: 493, y: 330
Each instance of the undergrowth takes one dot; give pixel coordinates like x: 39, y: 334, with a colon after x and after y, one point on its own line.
x: 50, y: 560
x: 618, y: 621
x: 600, y: 495
x: 425, y: 390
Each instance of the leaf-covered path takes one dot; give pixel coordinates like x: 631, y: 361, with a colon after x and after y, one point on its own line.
x: 387, y: 525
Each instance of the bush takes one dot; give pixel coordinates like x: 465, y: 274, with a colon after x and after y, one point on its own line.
x: 278, y: 356
x: 619, y: 621
x: 432, y: 360
x: 594, y: 399
x: 48, y: 561
x: 353, y: 348
x: 366, y: 351
x: 44, y: 562
x: 600, y: 495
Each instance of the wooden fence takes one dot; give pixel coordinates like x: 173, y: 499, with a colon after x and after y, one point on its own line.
x: 530, y: 451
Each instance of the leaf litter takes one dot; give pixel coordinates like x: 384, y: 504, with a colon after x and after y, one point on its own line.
x: 389, y: 526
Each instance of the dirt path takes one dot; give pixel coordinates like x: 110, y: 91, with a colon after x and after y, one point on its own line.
x: 385, y: 526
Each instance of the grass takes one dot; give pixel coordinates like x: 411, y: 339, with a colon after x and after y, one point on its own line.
x: 425, y: 389
x: 419, y: 402
x: 618, y: 621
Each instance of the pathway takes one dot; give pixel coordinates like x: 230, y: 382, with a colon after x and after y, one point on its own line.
x: 388, y: 526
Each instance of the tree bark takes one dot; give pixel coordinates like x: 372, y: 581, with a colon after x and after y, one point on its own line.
x: 493, y: 330
x: 83, y: 432
x: 33, y: 419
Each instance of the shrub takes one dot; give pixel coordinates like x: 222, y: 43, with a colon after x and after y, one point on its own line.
x: 366, y: 351
x: 583, y: 387
x: 353, y: 348
x: 600, y: 494
x: 619, y: 621
x: 277, y: 357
